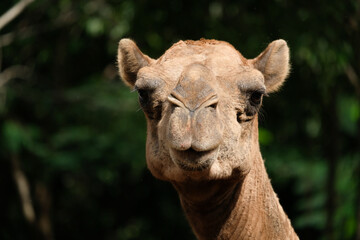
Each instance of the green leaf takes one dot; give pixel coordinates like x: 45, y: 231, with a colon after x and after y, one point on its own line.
x: 13, y: 135
x: 349, y: 114
x: 265, y: 136
x: 95, y: 26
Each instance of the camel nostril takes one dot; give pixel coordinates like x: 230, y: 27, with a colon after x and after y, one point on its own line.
x: 212, y: 102
x: 214, y: 106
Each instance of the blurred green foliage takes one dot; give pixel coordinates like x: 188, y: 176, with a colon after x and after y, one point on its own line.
x: 77, y: 130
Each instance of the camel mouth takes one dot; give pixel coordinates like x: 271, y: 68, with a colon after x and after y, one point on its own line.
x: 192, y: 160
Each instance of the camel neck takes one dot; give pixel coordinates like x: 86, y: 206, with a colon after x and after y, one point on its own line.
x: 244, y: 209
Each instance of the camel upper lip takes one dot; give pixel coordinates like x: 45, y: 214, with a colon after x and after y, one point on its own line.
x: 192, y: 160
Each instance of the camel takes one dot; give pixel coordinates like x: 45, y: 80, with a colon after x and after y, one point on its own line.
x: 201, y: 101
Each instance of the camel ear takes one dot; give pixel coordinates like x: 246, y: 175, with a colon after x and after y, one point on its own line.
x: 274, y: 64
x: 130, y: 61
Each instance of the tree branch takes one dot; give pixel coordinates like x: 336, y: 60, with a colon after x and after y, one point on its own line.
x: 24, y: 190
x: 63, y: 20
x: 16, y: 71
x: 44, y: 221
x: 353, y: 78
x: 13, y: 12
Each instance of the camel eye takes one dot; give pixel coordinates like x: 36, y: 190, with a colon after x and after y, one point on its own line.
x: 149, y: 105
x: 143, y: 96
x: 255, y: 97
x: 254, y: 101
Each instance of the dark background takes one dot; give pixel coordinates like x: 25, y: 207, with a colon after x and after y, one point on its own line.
x: 72, y: 138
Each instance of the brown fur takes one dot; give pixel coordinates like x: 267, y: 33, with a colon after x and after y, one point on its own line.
x: 201, y: 100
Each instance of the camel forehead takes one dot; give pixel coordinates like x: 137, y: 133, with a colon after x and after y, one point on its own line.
x: 210, y: 49
x: 220, y: 57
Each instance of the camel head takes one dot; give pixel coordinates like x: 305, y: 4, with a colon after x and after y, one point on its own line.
x: 201, y: 101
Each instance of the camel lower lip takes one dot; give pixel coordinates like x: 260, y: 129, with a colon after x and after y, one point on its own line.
x: 191, y: 160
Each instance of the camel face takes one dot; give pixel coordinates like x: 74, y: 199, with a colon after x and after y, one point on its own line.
x: 201, y: 100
